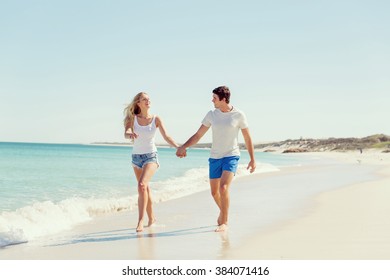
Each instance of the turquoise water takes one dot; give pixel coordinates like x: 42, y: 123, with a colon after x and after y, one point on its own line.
x: 39, y: 172
x: 42, y: 183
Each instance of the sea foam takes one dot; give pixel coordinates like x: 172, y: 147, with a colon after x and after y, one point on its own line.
x: 47, y: 218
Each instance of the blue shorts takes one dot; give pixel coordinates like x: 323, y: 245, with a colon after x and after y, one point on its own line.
x: 217, y: 166
x: 139, y: 160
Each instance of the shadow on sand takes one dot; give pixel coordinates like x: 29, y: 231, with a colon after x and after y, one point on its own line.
x: 126, y: 234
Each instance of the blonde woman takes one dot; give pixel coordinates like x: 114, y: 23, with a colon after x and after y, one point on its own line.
x: 141, y: 126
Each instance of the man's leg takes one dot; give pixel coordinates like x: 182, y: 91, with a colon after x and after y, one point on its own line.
x: 214, y: 186
x: 224, y: 185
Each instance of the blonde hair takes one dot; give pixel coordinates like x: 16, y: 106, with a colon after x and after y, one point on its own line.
x: 131, y: 110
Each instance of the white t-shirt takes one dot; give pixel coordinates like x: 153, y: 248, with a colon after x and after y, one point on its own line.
x: 225, y: 128
x: 144, y: 143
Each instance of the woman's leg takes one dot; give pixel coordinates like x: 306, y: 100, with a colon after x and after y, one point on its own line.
x: 144, y: 202
x: 149, y: 209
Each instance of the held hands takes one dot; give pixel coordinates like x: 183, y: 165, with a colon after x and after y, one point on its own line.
x: 181, y: 152
x: 251, y: 166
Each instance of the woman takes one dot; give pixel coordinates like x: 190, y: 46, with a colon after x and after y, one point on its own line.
x: 141, y: 126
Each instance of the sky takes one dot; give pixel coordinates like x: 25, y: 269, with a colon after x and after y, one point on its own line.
x: 310, y: 69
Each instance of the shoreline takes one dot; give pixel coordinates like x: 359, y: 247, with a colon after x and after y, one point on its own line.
x: 187, y: 224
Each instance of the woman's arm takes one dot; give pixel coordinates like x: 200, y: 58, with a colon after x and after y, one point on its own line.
x: 164, y: 134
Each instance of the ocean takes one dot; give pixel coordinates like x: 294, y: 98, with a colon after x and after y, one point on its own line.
x: 48, y: 188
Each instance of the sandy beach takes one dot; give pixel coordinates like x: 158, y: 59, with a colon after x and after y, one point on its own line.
x: 344, y: 216
x: 350, y: 223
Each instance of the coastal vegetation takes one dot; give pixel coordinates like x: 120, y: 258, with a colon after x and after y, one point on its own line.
x: 378, y: 141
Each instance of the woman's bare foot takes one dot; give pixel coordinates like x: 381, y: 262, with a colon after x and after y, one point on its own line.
x: 221, y: 228
x: 219, y: 221
x: 140, y: 226
x: 151, y: 222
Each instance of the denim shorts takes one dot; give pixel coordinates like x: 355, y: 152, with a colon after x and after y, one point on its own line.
x: 139, y: 160
x: 217, y: 166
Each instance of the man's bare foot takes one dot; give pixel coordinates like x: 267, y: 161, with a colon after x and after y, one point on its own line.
x: 221, y: 228
x: 140, y: 227
x: 151, y: 222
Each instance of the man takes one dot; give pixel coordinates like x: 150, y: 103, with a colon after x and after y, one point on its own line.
x: 225, y: 121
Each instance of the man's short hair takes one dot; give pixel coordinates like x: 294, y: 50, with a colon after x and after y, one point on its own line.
x: 223, y: 92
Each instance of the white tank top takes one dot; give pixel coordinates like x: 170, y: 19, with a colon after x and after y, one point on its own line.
x: 144, y: 143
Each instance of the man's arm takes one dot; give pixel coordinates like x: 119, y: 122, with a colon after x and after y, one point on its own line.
x: 250, y: 148
x: 181, y: 151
